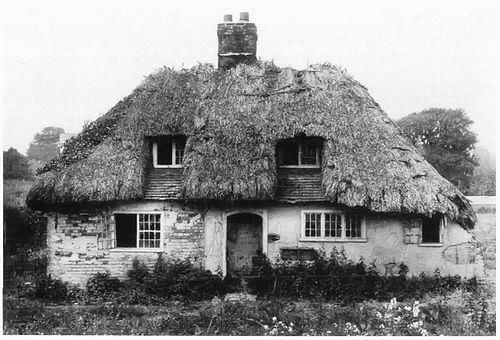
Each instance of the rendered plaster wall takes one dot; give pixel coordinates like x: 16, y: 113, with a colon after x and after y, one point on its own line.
x: 385, y: 235
x: 83, y: 244
x: 385, y: 244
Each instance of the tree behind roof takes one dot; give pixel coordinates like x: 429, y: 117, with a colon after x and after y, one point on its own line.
x: 45, y: 146
x: 446, y: 141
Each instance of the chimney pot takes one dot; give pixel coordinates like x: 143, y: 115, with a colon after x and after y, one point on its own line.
x: 244, y: 16
x: 237, y: 41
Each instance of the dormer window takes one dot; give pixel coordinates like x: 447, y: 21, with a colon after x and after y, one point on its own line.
x: 168, y: 152
x: 302, y: 152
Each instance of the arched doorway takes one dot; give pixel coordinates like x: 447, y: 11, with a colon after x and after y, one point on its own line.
x: 244, y: 242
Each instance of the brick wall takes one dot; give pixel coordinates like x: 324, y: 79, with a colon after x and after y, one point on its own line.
x: 82, y: 244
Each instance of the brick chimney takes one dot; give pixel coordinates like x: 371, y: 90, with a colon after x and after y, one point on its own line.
x: 237, y: 41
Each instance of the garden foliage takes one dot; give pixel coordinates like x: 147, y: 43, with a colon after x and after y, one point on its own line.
x: 335, y: 277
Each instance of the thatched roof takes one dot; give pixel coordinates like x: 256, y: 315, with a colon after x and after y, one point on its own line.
x: 233, y: 120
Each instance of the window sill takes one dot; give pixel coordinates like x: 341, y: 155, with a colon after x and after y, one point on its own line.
x: 299, y: 166
x: 157, y: 166
x: 430, y: 244
x: 338, y: 240
x: 136, y: 250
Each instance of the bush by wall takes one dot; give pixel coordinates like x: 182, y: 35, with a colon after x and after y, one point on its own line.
x: 334, y: 277
x: 175, y: 278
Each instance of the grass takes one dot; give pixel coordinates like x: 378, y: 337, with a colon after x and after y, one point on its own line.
x: 438, y: 315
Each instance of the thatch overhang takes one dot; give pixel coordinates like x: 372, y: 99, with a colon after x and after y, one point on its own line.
x: 233, y: 120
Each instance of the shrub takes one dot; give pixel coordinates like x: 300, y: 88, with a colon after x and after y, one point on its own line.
x: 175, y: 278
x: 139, y: 272
x: 47, y: 288
x: 101, y: 284
x: 337, y: 278
x: 24, y: 228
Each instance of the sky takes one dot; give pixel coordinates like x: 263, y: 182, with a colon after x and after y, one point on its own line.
x: 67, y: 62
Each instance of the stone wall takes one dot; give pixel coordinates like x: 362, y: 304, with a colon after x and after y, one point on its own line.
x: 84, y: 243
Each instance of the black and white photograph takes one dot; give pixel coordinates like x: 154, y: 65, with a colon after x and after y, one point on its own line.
x: 249, y: 168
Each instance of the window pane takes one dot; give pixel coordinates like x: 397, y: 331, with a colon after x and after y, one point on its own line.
x: 312, y: 225
x: 288, y: 153
x: 430, y: 229
x: 126, y: 230
x: 149, y: 234
x: 353, y: 225
x: 164, y: 151
x: 333, y: 227
x: 179, y: 155
x: 309, y: 154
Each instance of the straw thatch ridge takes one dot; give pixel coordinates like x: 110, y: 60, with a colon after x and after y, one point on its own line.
x: 233, y: 120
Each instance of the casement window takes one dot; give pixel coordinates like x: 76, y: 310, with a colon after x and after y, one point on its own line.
x: 299, y: 152
x: 332, y: 226
x: 432, y: 228
x: 168, y: 152
x: 424, y: 231
x: 141, y: 230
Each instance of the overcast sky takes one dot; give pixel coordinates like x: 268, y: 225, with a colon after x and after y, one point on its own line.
x: 69, y: 62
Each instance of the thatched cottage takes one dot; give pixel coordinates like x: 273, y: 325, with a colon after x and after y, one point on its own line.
x: 218, y: 165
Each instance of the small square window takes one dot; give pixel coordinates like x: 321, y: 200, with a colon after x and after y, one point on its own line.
x: 138, y: 230
x: 168, y: 151
x: 299, y: 152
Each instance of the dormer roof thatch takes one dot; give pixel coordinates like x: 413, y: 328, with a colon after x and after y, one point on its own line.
x: 233, y: 120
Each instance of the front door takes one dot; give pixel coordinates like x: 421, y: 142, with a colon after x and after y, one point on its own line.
x: 244, y: 242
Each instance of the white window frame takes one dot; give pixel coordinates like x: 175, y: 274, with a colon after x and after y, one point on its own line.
x: 299, y: 160
x: 155, y: 157
x: 137, y: 248
x: 322, y: 237
x: 443, y: 222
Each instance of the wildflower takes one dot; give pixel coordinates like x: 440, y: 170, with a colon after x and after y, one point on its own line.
x: 393, y: 303
x: 416, y: 310
x: 266, y: 327
x: 275, y: 319
x: 328, y: 332
x: 379, y: 315
x: 424, y: 332
x: 381, y: 326
x: 291, y: 324
x: 290, y: 329
x: 407, y: 308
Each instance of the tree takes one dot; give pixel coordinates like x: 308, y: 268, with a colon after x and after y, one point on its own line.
x: 15, y: 165
x: 484, y: 180
x: 446, y: 141
x: 45, y: 144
